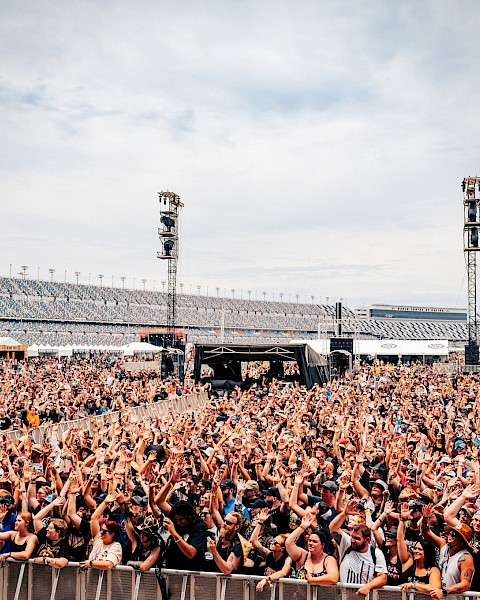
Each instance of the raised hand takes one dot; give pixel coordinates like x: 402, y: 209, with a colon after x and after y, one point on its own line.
x: 389, y: 507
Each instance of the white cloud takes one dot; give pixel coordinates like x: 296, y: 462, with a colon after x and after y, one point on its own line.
x: 318, y: 147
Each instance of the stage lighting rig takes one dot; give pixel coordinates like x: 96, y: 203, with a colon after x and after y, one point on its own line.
x: 168, y: 234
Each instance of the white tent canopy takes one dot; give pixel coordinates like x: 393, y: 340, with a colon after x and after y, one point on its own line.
x: 140, y: 348
x: 388, y: 347
x: 33, y: 351
x: 8, y: 341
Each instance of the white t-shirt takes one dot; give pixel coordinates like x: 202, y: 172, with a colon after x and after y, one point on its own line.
x: 358, y: 567
x: 101, y: 551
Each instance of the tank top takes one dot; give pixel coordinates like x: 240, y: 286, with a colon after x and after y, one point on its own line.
x: 450, y: 569
x: 301, y: 573
x: 272, y: 565
x: 14, y: 547
x: 410, y: 576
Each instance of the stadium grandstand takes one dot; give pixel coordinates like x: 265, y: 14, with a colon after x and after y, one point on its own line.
x: 56, y: 313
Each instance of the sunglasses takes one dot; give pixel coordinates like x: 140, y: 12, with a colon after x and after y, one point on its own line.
x: 204, y: 514
x: 104, y: 530
x: 230, y: 522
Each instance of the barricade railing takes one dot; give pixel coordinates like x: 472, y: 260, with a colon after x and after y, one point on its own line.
x: 31, y: 581
x: 454, y: 367
x: 178, y: 404
x: 142, y: 365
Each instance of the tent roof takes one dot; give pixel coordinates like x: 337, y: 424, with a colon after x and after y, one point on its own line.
x: 8, y: 341
x: 142, y: 347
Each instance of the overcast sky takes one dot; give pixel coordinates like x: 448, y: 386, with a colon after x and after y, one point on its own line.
x: 318, y: 146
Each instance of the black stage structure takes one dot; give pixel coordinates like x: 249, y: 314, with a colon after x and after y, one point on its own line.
x: 226, y: 359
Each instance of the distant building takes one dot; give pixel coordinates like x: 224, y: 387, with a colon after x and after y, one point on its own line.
x: 411, y: 313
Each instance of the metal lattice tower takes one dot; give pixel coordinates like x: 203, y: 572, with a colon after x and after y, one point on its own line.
x: 168, y: 234
x: 471, y: 230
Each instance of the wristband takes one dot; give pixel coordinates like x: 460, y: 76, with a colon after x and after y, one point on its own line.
x: 177, y: 540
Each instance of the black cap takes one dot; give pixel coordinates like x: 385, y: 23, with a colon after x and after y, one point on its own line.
x: 259, y: 503
x: 272, y: 491
x: 228, y: 484
x: 7, y: 500
x: 329, y: 485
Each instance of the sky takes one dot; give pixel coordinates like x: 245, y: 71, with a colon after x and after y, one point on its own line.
x: 318, y: 147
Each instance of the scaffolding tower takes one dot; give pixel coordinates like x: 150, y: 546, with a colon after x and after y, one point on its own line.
x: 471, y: 228
x: 168, y: 234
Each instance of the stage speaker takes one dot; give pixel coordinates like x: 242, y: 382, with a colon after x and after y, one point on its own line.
x: 471, y: 354
x: 340, y: 362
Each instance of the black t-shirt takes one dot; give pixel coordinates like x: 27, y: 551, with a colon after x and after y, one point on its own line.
x: 272, y: 565
x: 47, y: 549
x: 394, y: 570
x: 281, y: 520
x: 77, y: 540
x: 5, y: 423
x: 196, y: 537
x: 235, y: 547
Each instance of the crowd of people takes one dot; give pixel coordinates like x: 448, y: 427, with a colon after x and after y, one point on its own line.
x: 370, y: 480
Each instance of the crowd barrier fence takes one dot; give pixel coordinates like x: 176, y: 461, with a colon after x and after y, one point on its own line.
x: 178, y: 404
x: 142, y: 365
x: 32, y: 581
x: 453, y: 368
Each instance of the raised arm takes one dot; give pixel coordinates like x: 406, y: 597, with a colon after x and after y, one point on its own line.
x: 295, y: 552
x: 403, y: 553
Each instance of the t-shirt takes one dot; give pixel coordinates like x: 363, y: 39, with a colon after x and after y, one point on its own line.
x: 358, y: 567
x: 51, y: 550
x: 5, y: 423
x: 101, y: 551
x: 196, y: 537
x: 78, y: 540
x: 234, y: 548
x: 8, y: 524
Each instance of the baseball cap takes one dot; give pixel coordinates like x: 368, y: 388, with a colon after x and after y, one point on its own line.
x: 139, y: 500
x: 259, y: 503
x: 329, y: 485
x: 272, y: 491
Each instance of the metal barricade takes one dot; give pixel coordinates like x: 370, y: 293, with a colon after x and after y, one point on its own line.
x: 178, y: 405
x: 32, y: 581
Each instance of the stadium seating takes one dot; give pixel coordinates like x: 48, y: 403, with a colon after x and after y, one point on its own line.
x: 56, y: 313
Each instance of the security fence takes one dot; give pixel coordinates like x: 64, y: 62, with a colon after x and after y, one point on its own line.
x: 31, y: 581
x: 178, y: 405
x: 452, y: 368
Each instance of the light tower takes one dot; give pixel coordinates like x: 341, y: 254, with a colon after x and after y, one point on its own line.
x: 471, y: 229
x: 168, y: 234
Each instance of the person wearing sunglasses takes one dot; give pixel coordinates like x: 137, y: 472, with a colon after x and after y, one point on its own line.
x: 277, y: 562
x: 231, y: 550
x: 456, y: 562
x: 107, y: 551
